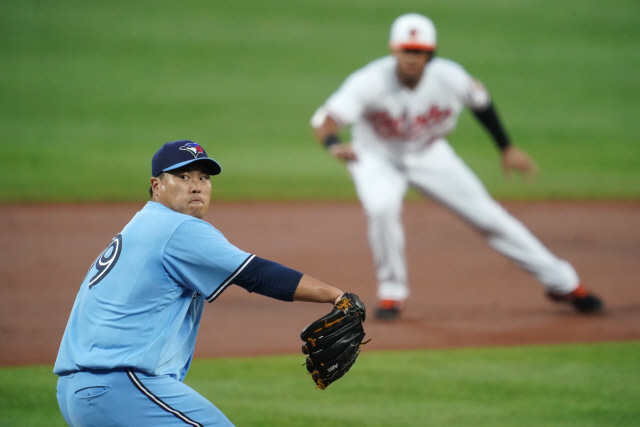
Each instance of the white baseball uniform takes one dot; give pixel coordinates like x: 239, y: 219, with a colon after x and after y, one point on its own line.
x: 399, y: 136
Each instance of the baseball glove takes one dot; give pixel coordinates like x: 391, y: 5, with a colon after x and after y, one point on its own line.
x: 332, y: 342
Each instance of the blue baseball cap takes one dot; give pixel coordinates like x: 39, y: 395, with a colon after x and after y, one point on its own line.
x: 174, y: 155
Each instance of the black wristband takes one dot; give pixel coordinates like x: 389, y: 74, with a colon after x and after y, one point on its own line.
x: 331, y: 140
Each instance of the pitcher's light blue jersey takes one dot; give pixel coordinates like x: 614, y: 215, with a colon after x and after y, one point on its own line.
x: 141, y: 302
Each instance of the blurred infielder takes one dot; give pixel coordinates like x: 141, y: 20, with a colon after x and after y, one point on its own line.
x: 401, y: 108
x: 132, y: 331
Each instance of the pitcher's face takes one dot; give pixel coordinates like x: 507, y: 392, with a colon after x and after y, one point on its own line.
x: 186, y: 190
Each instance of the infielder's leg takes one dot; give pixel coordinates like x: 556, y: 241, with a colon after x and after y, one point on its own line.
x: 381, y: 189
x: 126, y: 398
x: 441, y: 174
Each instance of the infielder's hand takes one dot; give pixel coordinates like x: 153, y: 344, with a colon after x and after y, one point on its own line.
x: 515, y: 159
x: 343, y: 152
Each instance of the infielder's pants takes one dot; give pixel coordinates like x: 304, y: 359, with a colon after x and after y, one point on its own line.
x: 106, y: 398
x: 381, y: 183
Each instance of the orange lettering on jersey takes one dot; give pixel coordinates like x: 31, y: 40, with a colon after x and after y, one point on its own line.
x: 386, y: 127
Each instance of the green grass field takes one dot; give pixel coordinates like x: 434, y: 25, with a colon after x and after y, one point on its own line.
x: 90, y: 90
x: 564, y: 385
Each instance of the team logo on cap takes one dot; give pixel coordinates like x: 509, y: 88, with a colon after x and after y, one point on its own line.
x: 193, y: 148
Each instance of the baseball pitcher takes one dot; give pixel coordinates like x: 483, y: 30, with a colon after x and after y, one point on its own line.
x: 132, y: 331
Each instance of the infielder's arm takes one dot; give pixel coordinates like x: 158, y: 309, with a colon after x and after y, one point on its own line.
x: 489, y: 119
x: 513, y: 158
x: 325, y: 129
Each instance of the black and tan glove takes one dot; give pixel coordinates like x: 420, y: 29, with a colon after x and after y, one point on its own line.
x: 332, y: 342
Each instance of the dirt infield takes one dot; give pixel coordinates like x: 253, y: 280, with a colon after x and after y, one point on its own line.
x: 463, y: 293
